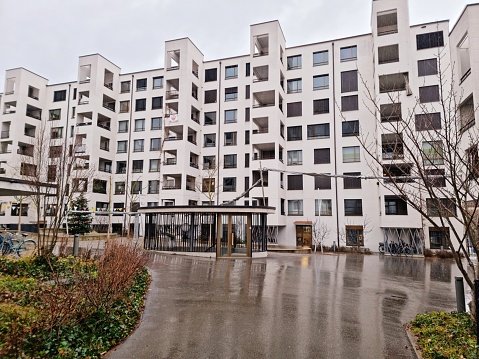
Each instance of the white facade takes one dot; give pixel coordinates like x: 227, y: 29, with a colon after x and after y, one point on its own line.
x: 156, y: 130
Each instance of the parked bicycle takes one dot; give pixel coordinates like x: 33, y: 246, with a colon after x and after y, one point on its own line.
x: 400, y: 248
x: 10, y: 245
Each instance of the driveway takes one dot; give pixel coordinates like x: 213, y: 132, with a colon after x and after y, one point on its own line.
x: 286, y: 306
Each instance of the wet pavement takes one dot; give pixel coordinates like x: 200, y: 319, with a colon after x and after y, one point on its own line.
x: 287, y: 306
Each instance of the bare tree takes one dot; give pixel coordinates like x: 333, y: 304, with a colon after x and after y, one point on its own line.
x: 320, y: 233
x: 354, y: 235
x: 206, y: 184
x: 428, y: 157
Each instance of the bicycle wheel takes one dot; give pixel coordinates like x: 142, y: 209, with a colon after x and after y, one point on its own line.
x: 6, y: 248
x: 408, y: 251
x: 27, y: 247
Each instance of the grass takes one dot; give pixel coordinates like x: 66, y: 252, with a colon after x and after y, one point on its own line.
x: 445, y: 335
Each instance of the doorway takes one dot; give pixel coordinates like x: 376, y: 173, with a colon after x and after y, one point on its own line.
x: 303, y: 235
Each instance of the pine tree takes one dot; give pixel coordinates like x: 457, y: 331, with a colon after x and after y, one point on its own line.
x: 79, y: 223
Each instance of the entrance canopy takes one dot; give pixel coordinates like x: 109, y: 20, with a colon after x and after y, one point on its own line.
x: 221, y: 231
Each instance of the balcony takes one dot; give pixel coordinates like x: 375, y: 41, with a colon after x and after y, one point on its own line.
x: 265, y: 155
x: 260, y: 73
x: 194, y: 165
x: 5, y: 134
x: 170, y: 162
x: 172, y: 95
x: 263, y: 99
x: 10, y: 107
x: 34, y: 112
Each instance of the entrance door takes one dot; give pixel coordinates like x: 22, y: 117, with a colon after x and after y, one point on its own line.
x: 303, y: 235
x: 233, y: 239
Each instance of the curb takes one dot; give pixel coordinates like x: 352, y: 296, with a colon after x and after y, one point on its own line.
x: 413, y: 341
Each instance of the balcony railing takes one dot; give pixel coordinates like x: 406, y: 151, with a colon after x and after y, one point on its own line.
x: 259, y: 105
x: 5, y: 151
x: 25, y: 152
x: 260, y: 130
x: 84, y: 124
x: 121, y: 170
x: 105, y: 126
x: 194, y: 165
x: 173, y: 68
x: 263, y: 156
x: 105, y: 169
x: 83, y: 102
x: 178, y: 138
x: 104, y: 147
x: 34, y: 114
x: 172, y: 95
x: 5, y: 134
x: 170, y: 161
x: 171, y: 186
x: 80, y: 149
x: 261, y: 53
x: 190, y: 187
x: 29, y: 133
x: 109, y: 85
x: 109, y: 107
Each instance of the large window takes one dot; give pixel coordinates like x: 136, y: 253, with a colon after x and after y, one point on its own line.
x: 432, y: 153
x: 230, y: 161
x: 137, y: 166
x: 353, y: 207
x: 427, y: 67
x: 141, y: 84
x: 125, y: 86
x: 140, y: 104
x: 354, y: 236
x: 229, y: 184
x: 435, y: 177
x: 320, y: 106
x: 122, y: 147
x: 320, y: 58
x: 390, y: 112
x: 209, y: 162
x: 230, y: 138
x: 124, y: 106
x: 211, y: 75
x: 392, y: 146
x: 55, y: 114
x: 15, y: 210
x: 322, y: 182
x: 294, y: 109
x: 122, y: 126
x: 352, y: 180
x: 210, y: 96
x: 388, y: 54
x: 350, y: 128
x: 153, y: 186
x: 140, y: 125
x: 155, y: 144
x: 294, y: 133
x: 393, y: 82
x: 231, y: 72
x: 349, y: 81
x: 231, y: 93
x: 467, y: 113
x: 349, y: 103
x: 387, y: 22
x: 349, y: 53
x: 428, y: 121
x: 231, y: 116
x: 438, y: 237
x: 154, y: 165
x: 320, y: 130
x: 441, y: 207
x: 326, y: 207
x: 430, y: 40
x: 59, y: 95
x: 294, y: 62
x: 294, y: 86
x: 138, y: 145
x: 295, y: 182
x: 156, y: 123
x: 295, y: 157
x: 322, y: 155
x: 156, y: 103
x: 395, y: 206
x: 295, y: 207
x: 209, y: 140
x: 320, y: 82
x: 157, y: 82
x: 351, y: 154
x: 210, y: 118
x: 429, y: 94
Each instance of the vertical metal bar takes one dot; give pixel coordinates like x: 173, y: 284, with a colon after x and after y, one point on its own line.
x: 460, y: 299
x: 249, y: 247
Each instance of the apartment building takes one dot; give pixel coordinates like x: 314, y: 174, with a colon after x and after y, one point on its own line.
x: 199, y: 132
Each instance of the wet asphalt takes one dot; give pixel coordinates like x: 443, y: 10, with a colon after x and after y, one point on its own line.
x: 287, y: 306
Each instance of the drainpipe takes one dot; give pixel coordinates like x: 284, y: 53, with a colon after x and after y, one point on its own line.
x: 335, y: 149
x: 129, y: 147
x: 218, y: 142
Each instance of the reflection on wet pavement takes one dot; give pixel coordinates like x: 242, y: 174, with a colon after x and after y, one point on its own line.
x: 287, y: 306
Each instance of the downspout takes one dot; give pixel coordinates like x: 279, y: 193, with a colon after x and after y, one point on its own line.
x: 129, y: 147
x: 335, y: 150
x: 217, y: 183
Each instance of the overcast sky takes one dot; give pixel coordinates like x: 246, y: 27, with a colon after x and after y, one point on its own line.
x: 48, y: 36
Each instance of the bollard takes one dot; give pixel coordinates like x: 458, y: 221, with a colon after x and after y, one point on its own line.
x: 460, y: 299
x: 76, y: 240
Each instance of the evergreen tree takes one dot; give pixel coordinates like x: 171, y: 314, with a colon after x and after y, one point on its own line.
x: 79, y: 223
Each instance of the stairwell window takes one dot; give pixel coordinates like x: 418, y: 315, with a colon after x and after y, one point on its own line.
x: 387, y: 22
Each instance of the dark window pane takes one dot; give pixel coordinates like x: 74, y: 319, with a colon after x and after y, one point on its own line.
x: 294, y: 109
x: 321, y: 106
x: 322, y: 155
x: 428, y: 121
x: 349, y: 103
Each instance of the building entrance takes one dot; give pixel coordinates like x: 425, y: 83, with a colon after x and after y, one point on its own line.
x: 303, y: 235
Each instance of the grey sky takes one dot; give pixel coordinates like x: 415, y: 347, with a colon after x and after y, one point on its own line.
x: 47, y: 36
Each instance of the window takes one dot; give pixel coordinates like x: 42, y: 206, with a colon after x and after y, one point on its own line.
x: 52, y: 173
x: 399, y: 173
x: 15, y: 210
x: 137, y: 166
x: 438, y: 237
x: 429, y: 40
x: 352, y: 180
x: 140, y: 104
x: 246, y: 114
x: 124, y: 106
x: 326, y: 207
x: 295, y: 158
x: 320, y: 82
x: 209, y: 162
x: 388, y: 54
x: 122, y: 126
x: 231, y: 116
x: 322, y: 155
x: 56, y: 151
x: 208, y: 185
x: 247, y: 92
x: 157, y: 82
x: 59, y: 95
x: 140, y: 125
x: 210, y: 96
x: 466, y: 113
x: 429, y: 94
x: 353, y: 207
x: 349, y: 103
x: 350, y: 128
x: 390, y: 112
x: 318, y: 131
x: 294, y: 86
x: 230, y: 138
x: 349, y: 81
x: 119, y: 187
x: 246, y: 160
x: 320, y: 106
x: 395, y: 206
x: 229, y: 184
x: 157, y: 103
x: 209, y: 140
x: 55, y: 114
x: 155, y: 144
x: 428, y: 121
x: 294, y: 62
x: 121, y: 167
x: 141, y: 84
x: 348, y: 53
x: 99, y: 186
x: 294, y: 133
x: 432, y: 153
x: 427, y: 67
x: 154, y: 165
x: 248, y: 69
x: 138, y: 145
x: 294, y: 109
x: 211, y: 75
x: 231, y: 72
x: 156, y: 123
x: 435, y: 177
x: 56, y: 132
x: 320, y: 58
x: 122, y: 146
x: 392, y: 146
x: 246, y: 137
x: 230, y: 161
x: 136, y: 187
x: 393, y: 82
x: 125, y: 86
x: 295, y: 182
x: 472, y: 156
x: 210, y: 118
x: 322, y: 182
x: 231, y: 93
x: 387, y: 22
x: 153, y: 186
x: 295, y: 207
x: 80, y: 184
x: 351, y: 154
x: 354, y: 236
x: 441, y: 207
